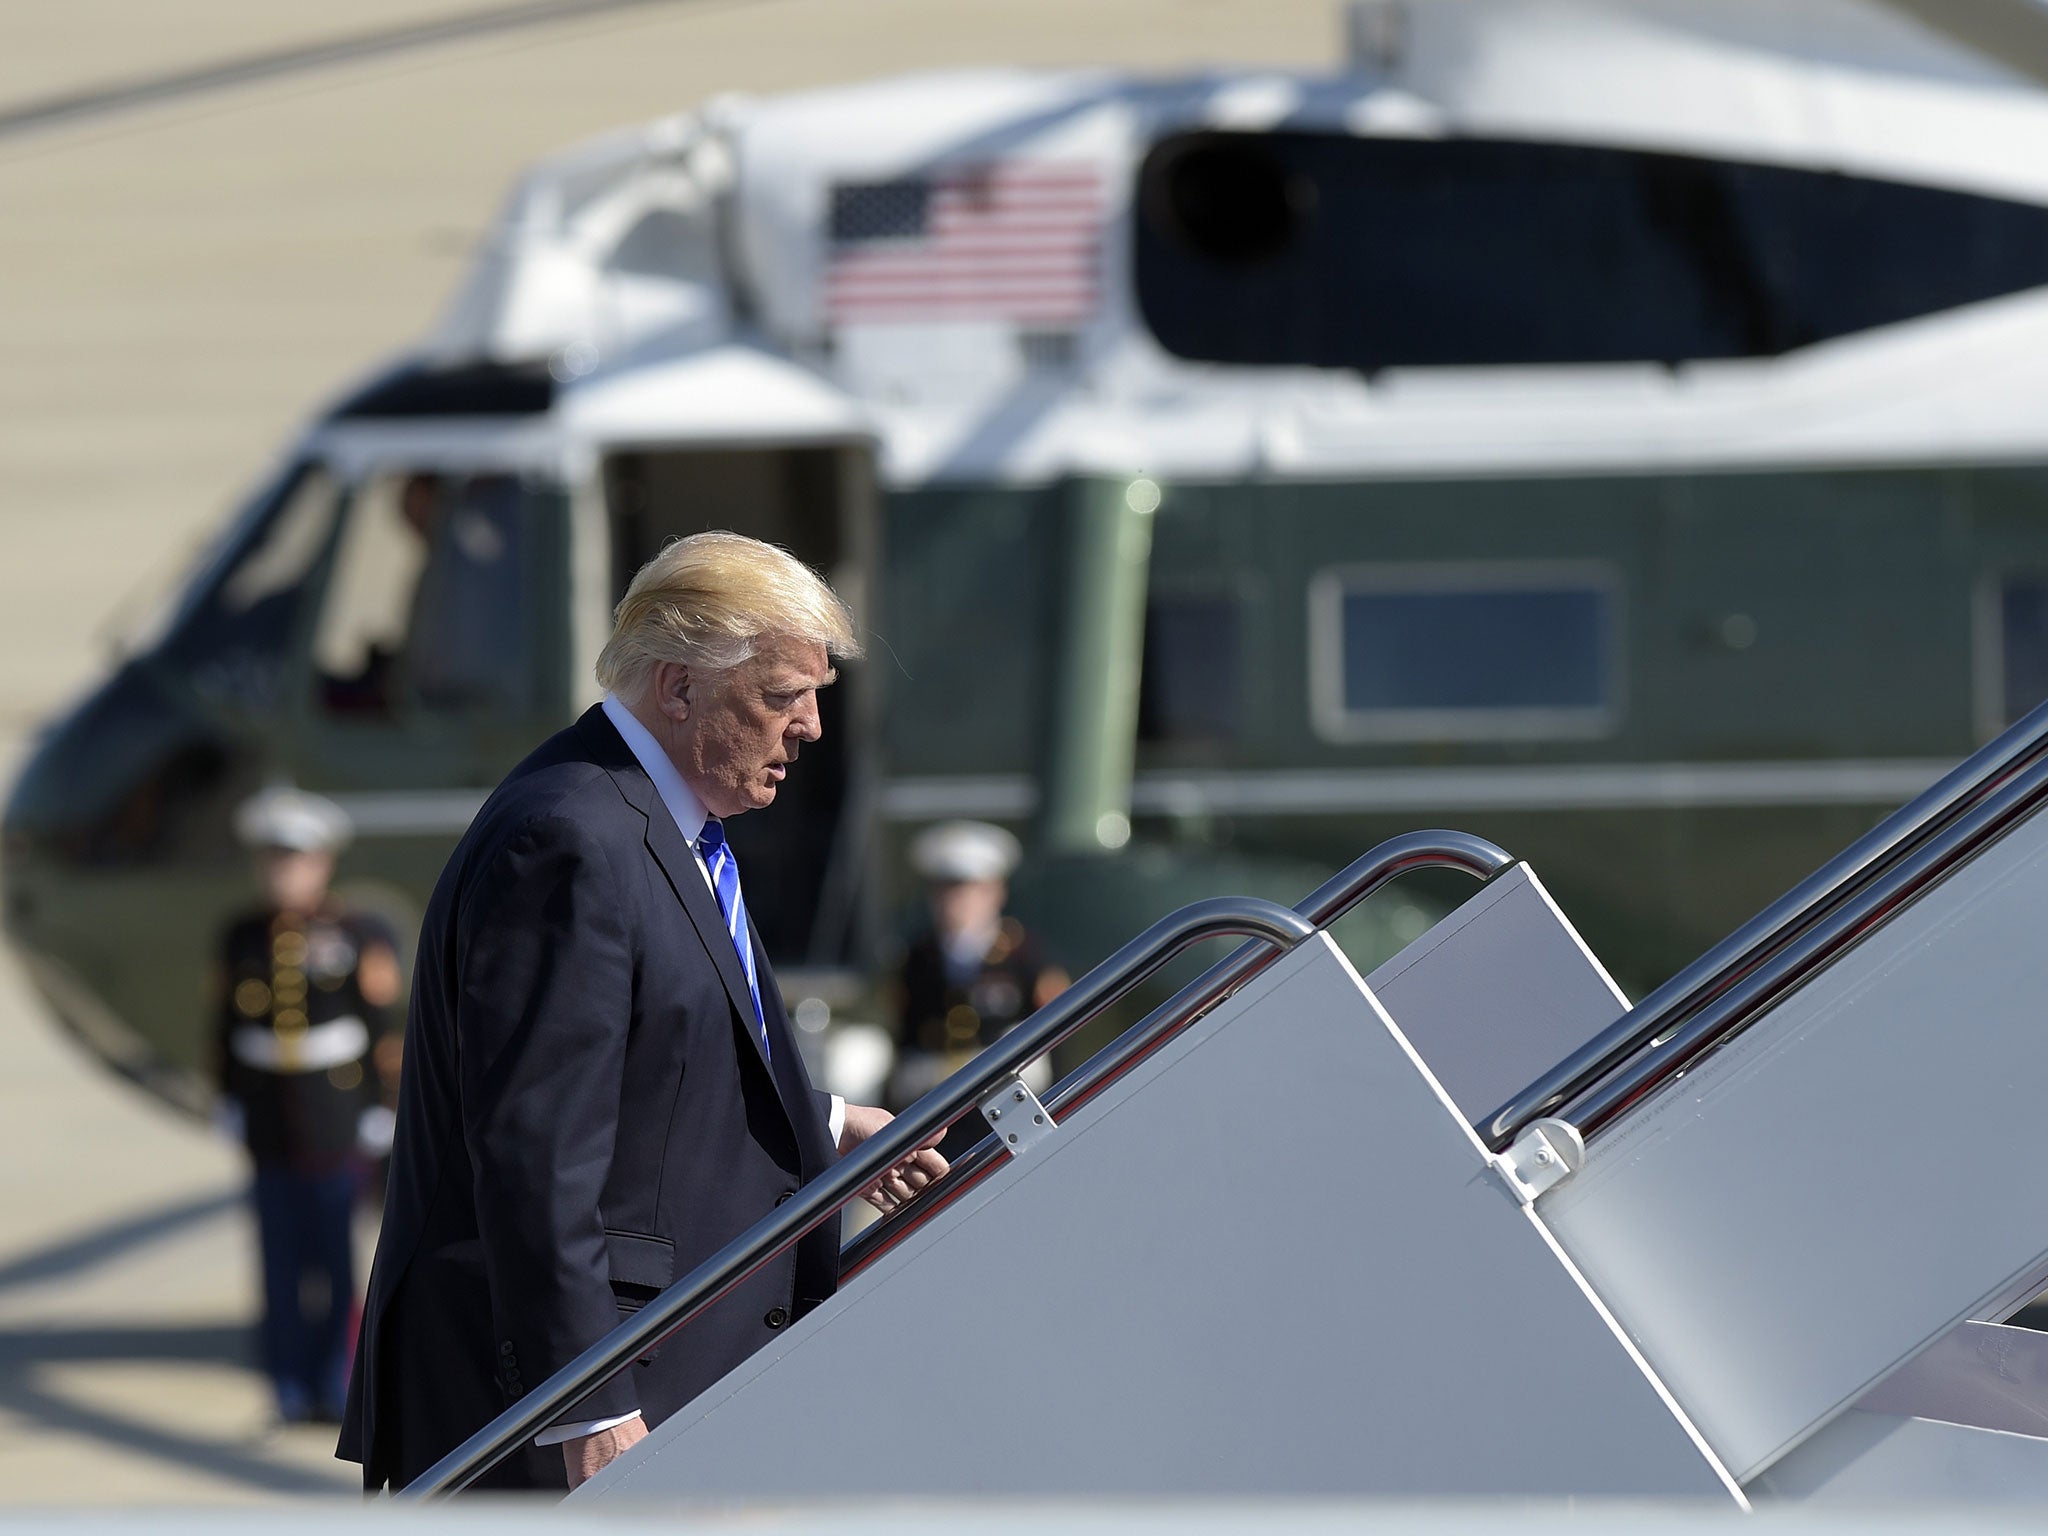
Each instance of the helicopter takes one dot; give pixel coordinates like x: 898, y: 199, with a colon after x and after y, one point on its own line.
x: 1612, y: 428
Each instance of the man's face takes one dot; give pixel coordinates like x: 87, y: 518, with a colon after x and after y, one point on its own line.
x: 743, y: 729
x: 967, y: 906
x: 419, y: 503
x: 294, y: 880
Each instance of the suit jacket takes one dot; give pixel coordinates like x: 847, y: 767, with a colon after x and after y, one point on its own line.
x: 586, y: 1113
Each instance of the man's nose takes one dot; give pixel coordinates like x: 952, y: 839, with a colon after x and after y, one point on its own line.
x: 806, y: 726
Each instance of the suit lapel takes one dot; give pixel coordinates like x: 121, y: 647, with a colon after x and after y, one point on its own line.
x: 685, y: 877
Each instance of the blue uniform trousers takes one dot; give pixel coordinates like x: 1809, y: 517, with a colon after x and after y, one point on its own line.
x: 303, y: 1221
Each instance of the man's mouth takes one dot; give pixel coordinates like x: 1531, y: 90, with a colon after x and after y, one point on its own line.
x: 778, y: 771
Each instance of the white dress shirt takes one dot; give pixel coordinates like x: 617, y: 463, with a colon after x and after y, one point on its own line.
x: 690, y: 816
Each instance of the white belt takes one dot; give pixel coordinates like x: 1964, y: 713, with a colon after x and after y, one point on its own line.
x: 320, y: 1047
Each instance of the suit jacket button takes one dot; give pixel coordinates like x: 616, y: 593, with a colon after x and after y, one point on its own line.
x: 505, y: 1349
x: 776, y: 1317
x: 785, y: 1195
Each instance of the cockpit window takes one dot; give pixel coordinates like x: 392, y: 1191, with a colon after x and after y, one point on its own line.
x: 278, y: 563
x: 425, y: 606
x: 236, y: 632
x: 1344, y: 252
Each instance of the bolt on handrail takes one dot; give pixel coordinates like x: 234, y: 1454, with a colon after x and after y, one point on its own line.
x: 1362, y: 878
x: 1712, y: 997
x: 1273, y: 929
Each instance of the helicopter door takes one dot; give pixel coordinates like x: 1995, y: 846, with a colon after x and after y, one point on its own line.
x: 436, y: 657
x: 806, y: 860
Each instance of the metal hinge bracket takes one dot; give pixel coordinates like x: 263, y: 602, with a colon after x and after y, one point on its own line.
x: 1546, y: 1154
x: 1018, y: 1119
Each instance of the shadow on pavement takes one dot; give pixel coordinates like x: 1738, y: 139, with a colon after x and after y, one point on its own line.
x: 30, y: 1354
x: 26, y: 1355
x: 76, y: 1254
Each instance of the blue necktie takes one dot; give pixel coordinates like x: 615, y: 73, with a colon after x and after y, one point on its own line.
x: 725, y: 880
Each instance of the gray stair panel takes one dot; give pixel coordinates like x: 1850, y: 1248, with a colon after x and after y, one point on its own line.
x: 1270, y: 1260
x: 1869, y: 1460
x: 1984, y: 1375
x: 1498, y: 992
x: 1854, y: 1174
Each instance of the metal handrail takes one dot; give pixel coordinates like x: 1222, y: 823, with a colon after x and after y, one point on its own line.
x: 1712, y: 998
x: 1330, y: 901
x: 1273, y: 929
x: 1363, y: 877
x: 1727, y: 1014
x: 820, y: 1200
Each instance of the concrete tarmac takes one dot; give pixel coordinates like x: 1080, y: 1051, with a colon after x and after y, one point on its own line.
x: 217, y: 214
x: 127, y: 1281
x: 125, y: 1355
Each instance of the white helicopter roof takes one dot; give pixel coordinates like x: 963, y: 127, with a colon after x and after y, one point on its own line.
x: 729, y: 393
x: 682, y: 274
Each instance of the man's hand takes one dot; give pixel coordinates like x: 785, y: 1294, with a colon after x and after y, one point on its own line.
x: 901, y: 1183
x: 587, y: 1453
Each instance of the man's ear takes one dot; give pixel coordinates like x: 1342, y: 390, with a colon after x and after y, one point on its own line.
x: 672, y: 690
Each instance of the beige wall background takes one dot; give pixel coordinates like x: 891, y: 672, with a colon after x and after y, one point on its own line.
x: 183, y: 278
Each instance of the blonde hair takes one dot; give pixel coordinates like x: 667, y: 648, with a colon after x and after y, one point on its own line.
x: 709, y: 601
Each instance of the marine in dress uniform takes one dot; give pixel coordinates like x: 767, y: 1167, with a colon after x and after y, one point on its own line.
x: 306, y: 993
x: 973, y: 973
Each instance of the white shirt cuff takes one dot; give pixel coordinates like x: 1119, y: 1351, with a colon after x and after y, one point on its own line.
x: 561, y: 1432
x: 837, y: 1119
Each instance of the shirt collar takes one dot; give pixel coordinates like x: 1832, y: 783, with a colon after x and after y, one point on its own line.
x: 681, y: 800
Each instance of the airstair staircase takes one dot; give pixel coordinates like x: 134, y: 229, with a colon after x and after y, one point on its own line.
x: 1468, y: 1226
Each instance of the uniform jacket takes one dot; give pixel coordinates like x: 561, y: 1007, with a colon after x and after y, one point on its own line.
x: 947, y: 1018
x: 585, y: 1114
x: 943, y: 1013
x: 295, y: 1034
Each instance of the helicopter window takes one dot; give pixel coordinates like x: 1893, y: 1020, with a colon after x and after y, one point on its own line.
x: 235, y: 633
x: 2023, y: 646
x: 1345, y: 252
x: 1188, y: 685
x: 1463, y: 652
x: 666, y: 243
x: 424, y: 607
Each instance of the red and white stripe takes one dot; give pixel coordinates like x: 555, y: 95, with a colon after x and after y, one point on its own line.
x: 1019, y: 242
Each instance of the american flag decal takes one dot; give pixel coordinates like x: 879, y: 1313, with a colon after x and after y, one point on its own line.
x: 1019, y: 241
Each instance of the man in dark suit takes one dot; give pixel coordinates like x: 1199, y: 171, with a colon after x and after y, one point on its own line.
x: 601, y: 1087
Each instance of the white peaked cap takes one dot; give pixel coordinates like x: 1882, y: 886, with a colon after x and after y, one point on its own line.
x: 965, y: 850
x: 283, y: 817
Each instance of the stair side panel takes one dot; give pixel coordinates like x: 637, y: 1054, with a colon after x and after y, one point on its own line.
x: 1271, y: 1260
